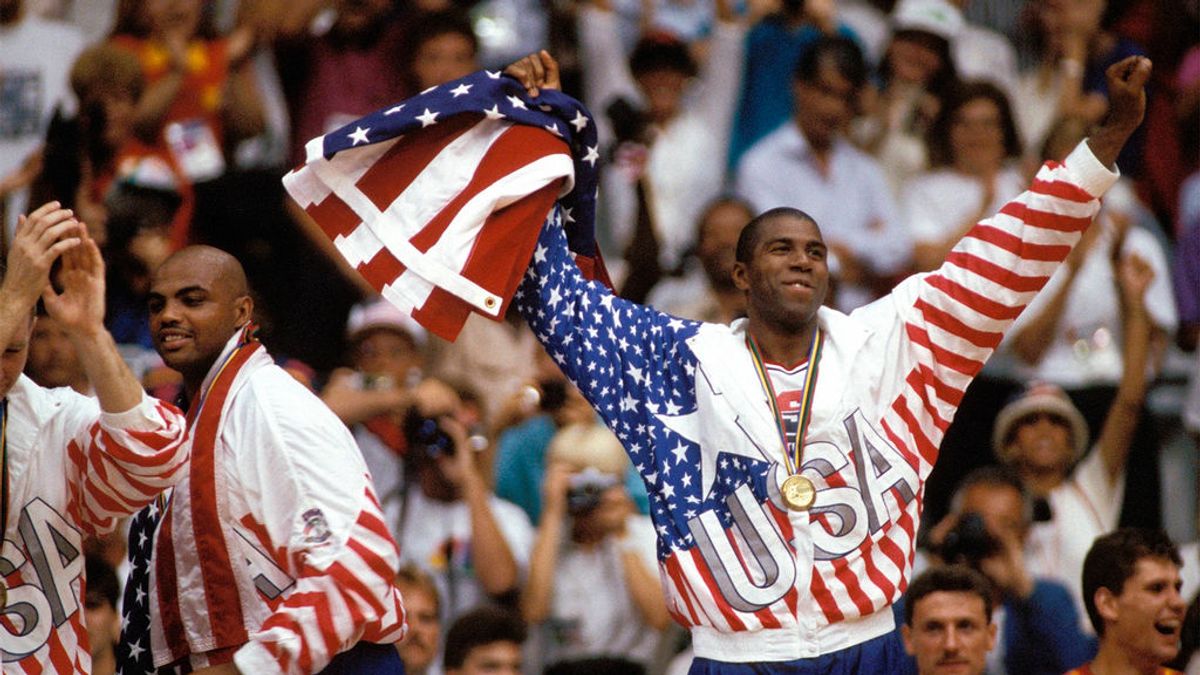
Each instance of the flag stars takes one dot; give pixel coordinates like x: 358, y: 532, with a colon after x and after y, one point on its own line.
x: 461, y: 90
x: 494, y: 113
x: 394, y: 109
x: 428, y: 118
x: 517, y: 103
x: 359, y: 135
x: 580, y: 122
x: 592, y: 155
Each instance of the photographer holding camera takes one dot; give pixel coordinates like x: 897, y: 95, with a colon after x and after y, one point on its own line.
x: 474, y: 544
x: 986, y: 530
x: 590, y: 536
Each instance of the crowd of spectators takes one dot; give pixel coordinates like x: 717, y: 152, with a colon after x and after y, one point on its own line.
x: 897, y: 125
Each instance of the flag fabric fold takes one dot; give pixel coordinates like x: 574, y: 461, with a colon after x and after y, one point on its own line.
x: 437, y: 201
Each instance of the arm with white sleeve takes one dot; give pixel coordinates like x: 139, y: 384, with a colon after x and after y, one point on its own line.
x: 315, y: 514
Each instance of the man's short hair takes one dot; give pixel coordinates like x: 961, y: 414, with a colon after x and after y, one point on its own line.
x: 1112, y: 559
x: 948, y: 578
x: 659, y: 50
x: 414, y: 577
x: 748, y: 239
x: 994, y: 476
x: 838, y: 51
x: 482, y: 626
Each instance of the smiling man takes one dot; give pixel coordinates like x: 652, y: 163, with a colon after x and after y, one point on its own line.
x: 787, y: 504
x: 1131, y: 587
x: 271, y: 556
x: 948, y: 621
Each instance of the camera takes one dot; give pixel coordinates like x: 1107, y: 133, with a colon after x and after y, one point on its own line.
x: 969, y: 542
x: 426, y: 436
x: 586, y: 489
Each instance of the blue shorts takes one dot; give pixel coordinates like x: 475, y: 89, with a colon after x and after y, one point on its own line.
x: 883, y: 655
x: 366, y: 658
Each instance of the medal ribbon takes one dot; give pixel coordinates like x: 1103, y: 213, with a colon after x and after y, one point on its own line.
x: 806, y: 397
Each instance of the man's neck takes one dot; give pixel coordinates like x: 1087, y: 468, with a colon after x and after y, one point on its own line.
x: 1112, y: 660
x: 1041, y: 482
x: 780, y: 346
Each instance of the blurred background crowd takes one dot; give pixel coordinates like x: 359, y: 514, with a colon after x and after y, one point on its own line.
x: 897, y: 125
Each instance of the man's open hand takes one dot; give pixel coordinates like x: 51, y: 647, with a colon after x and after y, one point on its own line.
x: 536, y: 72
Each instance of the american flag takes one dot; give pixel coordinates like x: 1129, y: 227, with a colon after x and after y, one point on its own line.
x: 432, y: 199
x: 133, y: 651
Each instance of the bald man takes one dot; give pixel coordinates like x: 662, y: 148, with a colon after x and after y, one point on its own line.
x: 271, y: 554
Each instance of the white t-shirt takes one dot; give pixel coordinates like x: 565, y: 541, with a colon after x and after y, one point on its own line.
x: 935, y: 205
x: 592, y: 612
x: 1086, y: 348
x: 1084, y: 507
x: 437, y: 537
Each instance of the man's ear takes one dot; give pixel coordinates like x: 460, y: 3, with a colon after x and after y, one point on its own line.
x: 1106, y: 604
x: 906, y: 634
x: 739, y: 275
x: 244, y: 306
x: 993, y: 631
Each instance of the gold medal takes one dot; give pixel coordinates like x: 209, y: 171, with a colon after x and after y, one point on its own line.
x: 798, y: 492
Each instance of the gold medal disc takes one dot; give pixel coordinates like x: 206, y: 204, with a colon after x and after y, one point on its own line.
x: 798, y: 492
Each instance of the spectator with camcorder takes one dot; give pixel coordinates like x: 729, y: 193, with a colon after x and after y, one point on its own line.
x: 986, y: 530
x: 590, y: 536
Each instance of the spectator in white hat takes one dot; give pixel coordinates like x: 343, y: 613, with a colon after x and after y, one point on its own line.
x: 915, y: 76
x: 1043, y: 436
x: 372, y: 396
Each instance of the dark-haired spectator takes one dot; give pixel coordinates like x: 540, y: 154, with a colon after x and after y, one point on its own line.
x: 986, y: 529
x: 670, y: 120
x: 1131, y: 587
x: 972, y: 147
x: 421, y: 645
x: 810, y: 164
x: 485, y: 641
x: 591, y: 536
x: 441, y: 47
x: 772, y: 48
x: 705, y: 291
x: 915, y: 76
x: 948, y: 621
x: 100, y: 614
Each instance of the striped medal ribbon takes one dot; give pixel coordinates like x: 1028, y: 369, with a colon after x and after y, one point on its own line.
x: 798, y: 492
x: 3, y: 492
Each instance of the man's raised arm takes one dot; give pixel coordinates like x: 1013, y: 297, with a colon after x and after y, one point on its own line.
x: 1126, y: 108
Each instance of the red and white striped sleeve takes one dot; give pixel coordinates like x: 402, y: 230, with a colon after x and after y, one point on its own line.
x: 956, y: 316
x: 125, y: 459
x: 337, y: 601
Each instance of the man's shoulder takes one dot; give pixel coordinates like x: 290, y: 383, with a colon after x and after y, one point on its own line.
x: 782, y: 140
x: 38, y: 404
x: 271, y: 391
